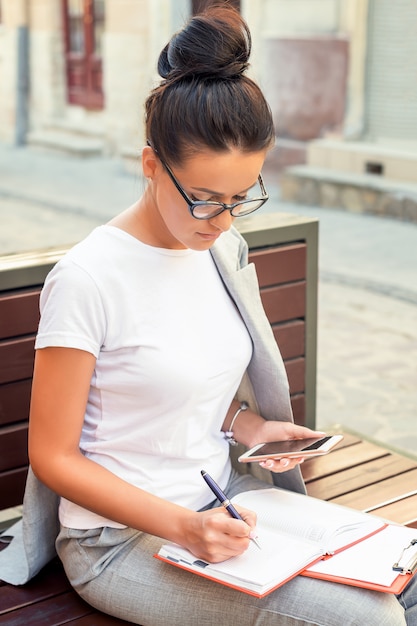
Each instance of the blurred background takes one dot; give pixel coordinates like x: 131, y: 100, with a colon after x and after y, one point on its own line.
x: 339, y: 75
x: 341, y: 79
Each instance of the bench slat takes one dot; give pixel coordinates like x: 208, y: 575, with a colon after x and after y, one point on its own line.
x: 12, y: 487
x: 298, y: 402
x: 403, y: 511
x: 45, y: 600
x: 280, y: 265
x: 295, y: 372
x: 14, y: 446
x: 339, y: 460
x: 345, y: 493
x: 15, y: 401
x: 19, y: 312
x: 16, y: 359
x: 290, y: 336
x: 48, y: 583
x: 97, y: 619
x: 285, y: 302
x: 372, y: 495
x: 54, y: 611
x: 378, y: 465
x: 378, y: 472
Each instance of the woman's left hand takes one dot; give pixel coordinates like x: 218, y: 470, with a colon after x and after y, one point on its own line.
x: 282, y: 431
x: 280, y: 465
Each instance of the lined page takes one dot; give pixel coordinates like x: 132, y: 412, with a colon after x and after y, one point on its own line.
x: 332, y: 526
x: 279, y: 558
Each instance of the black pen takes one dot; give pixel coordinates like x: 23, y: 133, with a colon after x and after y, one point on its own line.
x: 224, y: 500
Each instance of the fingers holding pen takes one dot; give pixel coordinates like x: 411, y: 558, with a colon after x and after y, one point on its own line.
x: 215, y: 536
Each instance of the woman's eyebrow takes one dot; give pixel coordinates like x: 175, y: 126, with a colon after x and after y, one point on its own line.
x: 218, y: 193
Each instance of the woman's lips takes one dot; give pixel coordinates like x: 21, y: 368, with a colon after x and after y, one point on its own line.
x: 209, y: 236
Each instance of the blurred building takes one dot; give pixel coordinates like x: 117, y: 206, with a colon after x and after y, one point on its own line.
x: 74, y: 73
x: 340, y: 76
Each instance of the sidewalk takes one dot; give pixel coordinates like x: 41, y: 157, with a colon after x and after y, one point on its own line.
x: 367, y: 326
x: 367, y: 348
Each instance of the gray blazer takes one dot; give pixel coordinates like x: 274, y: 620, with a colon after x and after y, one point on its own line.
x: 265, y: 387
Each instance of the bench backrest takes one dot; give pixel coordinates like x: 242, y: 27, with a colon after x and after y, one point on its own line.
x: 18, y: 323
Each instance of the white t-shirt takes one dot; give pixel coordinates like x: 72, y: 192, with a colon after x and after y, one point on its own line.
x: 171, y: 350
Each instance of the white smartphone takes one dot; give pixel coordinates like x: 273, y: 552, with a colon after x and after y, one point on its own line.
x: 293, y: 448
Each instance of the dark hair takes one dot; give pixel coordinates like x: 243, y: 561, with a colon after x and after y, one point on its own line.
x: 205, y: 100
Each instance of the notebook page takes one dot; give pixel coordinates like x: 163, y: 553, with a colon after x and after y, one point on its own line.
x: 330, y: 525
x: 278, y: 557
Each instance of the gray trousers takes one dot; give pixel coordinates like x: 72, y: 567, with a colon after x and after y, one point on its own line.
x: 115, y: 571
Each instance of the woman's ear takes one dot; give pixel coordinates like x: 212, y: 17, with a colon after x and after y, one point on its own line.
x: 150, y: 162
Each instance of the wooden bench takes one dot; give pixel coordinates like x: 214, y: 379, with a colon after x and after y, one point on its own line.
x: 284, y: 249
x: 367, y: 477
x: 357, y: 473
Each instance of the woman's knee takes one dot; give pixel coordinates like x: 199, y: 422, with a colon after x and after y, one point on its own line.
x: 311, y: 601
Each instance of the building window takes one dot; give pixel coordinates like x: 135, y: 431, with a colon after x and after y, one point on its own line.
x: 84, y: 22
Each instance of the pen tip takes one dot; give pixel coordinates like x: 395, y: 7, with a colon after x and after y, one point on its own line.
x: 256, y: 544
x: 203, y: 472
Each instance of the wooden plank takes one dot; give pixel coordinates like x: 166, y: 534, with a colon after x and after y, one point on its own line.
x: 403, y: 511
x: 16, y: 359
x: 280, y: 264
x: 290, y: 337
x: 19, y: 312
x: 373, y: 471
x: 50, y: 582
x: 296, y: 375
x: 98, y: 619
x: 13, y: 446
x: 298, y: 404
x: 12, y: 487
x: 346, y: 485
x: 348, y: 439
x: 54, y: 611
x: 341, y: 459
x: 285, y: 302
x: 372, y: 495
x: 15, y: 401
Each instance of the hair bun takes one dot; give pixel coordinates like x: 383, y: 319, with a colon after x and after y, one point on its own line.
x: 214, y: 44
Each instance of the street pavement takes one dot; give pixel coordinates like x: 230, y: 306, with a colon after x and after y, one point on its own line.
x: 367, y: 315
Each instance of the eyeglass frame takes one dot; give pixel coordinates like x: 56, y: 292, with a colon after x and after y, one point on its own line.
x: 225, y: 207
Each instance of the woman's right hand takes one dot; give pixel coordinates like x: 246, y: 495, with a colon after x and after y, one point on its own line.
x: 215, y: 536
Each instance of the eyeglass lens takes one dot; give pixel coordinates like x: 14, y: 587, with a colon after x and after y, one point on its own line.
x: 205, y: 211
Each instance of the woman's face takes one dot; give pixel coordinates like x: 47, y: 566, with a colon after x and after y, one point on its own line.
x: 222, y: 177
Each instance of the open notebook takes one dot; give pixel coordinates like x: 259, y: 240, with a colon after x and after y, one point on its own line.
x: 294, y: 532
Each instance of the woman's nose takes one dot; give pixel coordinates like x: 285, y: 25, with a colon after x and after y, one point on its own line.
x: 223, y: 221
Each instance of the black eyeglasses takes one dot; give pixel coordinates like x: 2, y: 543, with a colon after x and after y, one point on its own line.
x: 207, y: 209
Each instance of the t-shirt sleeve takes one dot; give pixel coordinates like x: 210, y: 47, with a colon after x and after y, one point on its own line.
x: 72, y: 312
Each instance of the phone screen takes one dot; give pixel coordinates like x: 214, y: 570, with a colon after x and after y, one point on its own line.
x: 291, y: 446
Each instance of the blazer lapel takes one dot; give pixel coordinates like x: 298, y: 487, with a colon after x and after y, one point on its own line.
x: 266, y: 372
x: 266, y: 369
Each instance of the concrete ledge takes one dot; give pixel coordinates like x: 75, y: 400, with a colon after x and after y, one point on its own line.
x: 395, y: 161
x: 72, y: 145
x: 358, y: 193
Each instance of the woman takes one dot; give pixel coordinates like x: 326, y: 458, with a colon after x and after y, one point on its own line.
x: 151, y: 332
